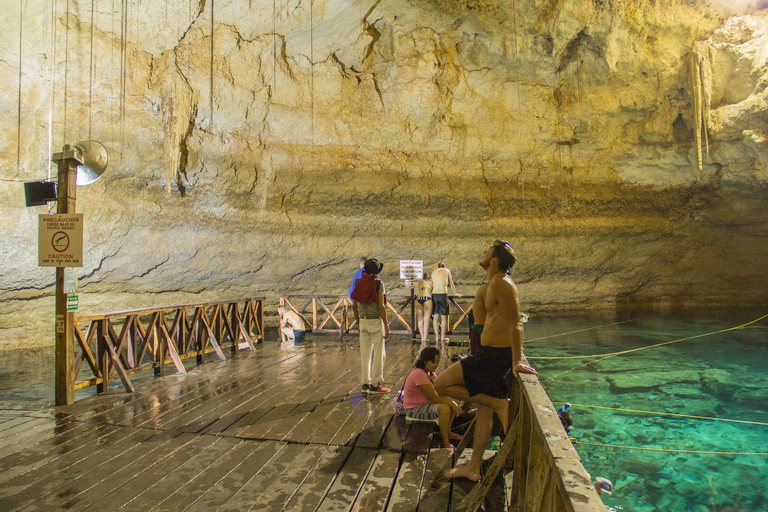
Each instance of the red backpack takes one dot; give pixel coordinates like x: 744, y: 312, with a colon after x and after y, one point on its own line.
x: 366, y: 289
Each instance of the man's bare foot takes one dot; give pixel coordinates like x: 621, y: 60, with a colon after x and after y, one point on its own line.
x: 464, y: 472
x: 503, y: 413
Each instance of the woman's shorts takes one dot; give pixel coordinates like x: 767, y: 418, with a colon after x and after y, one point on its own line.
x: 424, y: 412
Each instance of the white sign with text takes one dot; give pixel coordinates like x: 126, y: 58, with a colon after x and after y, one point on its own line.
x: 411, y: 269
x: 60, y: 240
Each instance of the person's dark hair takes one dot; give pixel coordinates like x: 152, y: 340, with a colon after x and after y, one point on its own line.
x: 363, y: 259
x: 441, y: 265
x: 428, y: 354
x: 505, y: 255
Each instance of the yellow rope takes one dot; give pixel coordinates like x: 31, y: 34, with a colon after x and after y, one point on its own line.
x: 652, y: 346
x: 667, y: 414
x: 581, y: 330
x: 670, y: 451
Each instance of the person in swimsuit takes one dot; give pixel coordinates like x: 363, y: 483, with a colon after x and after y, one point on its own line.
x: 479, y: 378
x: 291, y: 325
x: 424, y: 307
x: 441, y: 279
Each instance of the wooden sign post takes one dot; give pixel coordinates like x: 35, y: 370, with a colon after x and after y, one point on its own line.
x: 68, y: 160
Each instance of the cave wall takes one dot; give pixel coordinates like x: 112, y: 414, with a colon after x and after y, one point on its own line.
x: 260, y: 148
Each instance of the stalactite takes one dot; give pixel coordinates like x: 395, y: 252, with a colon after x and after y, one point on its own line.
x: 701, y: 87
x: 696, y: 89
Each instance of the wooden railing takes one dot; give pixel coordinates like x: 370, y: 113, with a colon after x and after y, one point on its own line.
x: 152, y: 337
x: 547, y: 472
x: 333, y: 313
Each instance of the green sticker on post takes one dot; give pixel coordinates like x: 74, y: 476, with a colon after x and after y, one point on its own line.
x: 71, y: 302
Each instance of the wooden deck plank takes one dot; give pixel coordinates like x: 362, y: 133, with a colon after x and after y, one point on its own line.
x: 147, y: 474
x: 353, y: 411
x: 12, y: 421
x: 145, y: 441
x: 314, y: 488
x: 266, y: 478
x: 314, y: 397
x: 174, y: 478
x: 306, y: 402
x: 375, y: 416
x: 238, y: 410
x: 14, y: 452
x: 187, y: 404
x: 150, y: 453
x: 301, y: 392
x: 45, y: 452
x: 172, y: 390
x: 407, y: 487
x: 352, y: 402
x: 32, y: 491
x: 436, y: 491
x: 260, y: 453
x: 204, y: 477
x: 276, y: 496
x: 41, y: 473
x: 208, y: 408
x: 346, y: 486
x: 248, y: 434
x: 374, y: 494
x: 396, y: 434
x: 461, y: 487
x: 283, y: 405
x: 21, y: 435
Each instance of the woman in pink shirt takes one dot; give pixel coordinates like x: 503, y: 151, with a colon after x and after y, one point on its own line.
x: 422, y: 402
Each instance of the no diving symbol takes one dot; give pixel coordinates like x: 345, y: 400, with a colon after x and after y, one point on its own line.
x: 60, y: 241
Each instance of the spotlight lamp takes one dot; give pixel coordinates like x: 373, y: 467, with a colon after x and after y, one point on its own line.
x: 93, y: 160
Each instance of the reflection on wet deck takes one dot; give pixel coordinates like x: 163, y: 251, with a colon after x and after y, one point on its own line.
x: 284, y: 428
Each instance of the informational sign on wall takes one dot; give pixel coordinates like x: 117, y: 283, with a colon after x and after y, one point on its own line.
x: 411, y: 269
x: 60, y: 240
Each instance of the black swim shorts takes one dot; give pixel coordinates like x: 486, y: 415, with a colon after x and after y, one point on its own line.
x: 484, y: 372
x: 440, y: 301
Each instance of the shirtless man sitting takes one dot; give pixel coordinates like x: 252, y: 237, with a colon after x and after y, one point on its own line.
x: 441, y: 280
x: 291, y: 325
x: 479, y: 378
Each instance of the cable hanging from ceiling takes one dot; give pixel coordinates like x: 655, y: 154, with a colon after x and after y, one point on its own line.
x: 18, y: 119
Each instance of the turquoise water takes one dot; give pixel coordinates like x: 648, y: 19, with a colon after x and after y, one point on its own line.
x: 656, y: 461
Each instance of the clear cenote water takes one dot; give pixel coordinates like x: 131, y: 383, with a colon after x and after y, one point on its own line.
x: 679, y: 461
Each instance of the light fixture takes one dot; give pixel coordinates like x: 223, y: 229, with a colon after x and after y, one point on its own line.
x: 95, y: 161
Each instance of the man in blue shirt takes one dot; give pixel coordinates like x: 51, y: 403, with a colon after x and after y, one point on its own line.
x: 357, y: 275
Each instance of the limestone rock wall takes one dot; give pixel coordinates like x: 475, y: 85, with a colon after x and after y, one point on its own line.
x: 259, y: 148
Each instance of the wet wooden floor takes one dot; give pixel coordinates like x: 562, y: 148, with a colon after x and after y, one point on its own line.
x: 282, y: 429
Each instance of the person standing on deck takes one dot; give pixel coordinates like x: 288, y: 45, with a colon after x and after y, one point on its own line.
x: 480, y: 377
x: 424, y: 307
x: 357, y: 275
x: 371, y: 317
x: 441, y: 280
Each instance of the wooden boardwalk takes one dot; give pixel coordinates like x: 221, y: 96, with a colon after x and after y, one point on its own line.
x: 281, y: 429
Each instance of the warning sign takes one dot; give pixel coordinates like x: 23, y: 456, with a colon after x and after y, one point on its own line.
x: 411, y: 269
x: 60, y: 240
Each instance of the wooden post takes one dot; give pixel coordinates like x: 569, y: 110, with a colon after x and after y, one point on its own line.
x: 413, y: 315
x: 67, y: 160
